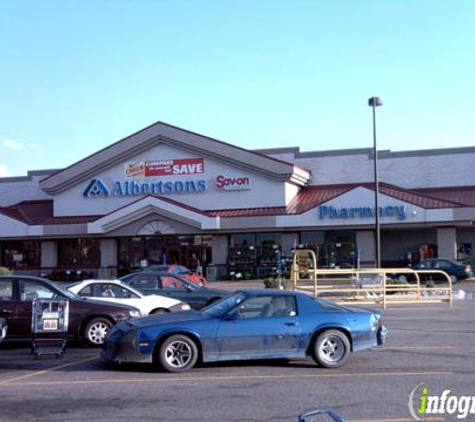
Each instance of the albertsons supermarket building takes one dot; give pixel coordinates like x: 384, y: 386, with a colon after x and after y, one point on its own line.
x: 168, y: 195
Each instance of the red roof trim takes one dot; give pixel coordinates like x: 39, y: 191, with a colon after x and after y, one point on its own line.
x: 40, y: 212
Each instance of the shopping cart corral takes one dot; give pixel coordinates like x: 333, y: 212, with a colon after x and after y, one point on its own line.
x: 49, y: 326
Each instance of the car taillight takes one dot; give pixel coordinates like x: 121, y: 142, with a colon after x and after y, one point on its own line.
x: 468, y: 268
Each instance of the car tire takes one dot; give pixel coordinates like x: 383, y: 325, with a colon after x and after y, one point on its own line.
x: 159, y: 311
x: 331, y: 349
x: 96, y: 331
x: 178, y: 353
x: 453, y: 278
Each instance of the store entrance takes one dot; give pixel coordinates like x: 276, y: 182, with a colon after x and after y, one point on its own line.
x: 136, y: 253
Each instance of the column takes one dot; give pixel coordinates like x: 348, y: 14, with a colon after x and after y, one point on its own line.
x: 49, y: 256
x: 219, y: 250
x: 108, y: 268
x: 366, y: 248
x: 447, y: 242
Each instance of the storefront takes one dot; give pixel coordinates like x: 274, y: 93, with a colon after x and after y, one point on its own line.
x: 167, y: 195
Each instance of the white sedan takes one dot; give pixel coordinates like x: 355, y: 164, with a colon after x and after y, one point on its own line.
x: 117, y: 292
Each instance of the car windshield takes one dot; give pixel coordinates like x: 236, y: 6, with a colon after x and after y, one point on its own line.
x: 224, y: 305
x: 65, y: 292
x: 131, y: 290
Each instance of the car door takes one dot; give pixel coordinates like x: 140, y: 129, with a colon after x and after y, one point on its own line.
x: 9, y: 304
x: 178, y: 289
x: 445, y: 265
x: 147, y: 283
x: 257, y: 327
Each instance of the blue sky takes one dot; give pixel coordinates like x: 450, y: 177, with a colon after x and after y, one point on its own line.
x: 77, y: 76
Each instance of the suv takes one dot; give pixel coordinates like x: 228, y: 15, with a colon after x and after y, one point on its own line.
x: 90, y: 320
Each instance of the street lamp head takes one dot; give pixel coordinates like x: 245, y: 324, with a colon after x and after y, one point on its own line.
x: 375, y: 102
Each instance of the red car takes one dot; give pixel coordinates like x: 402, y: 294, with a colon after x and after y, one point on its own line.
x: 181, y: 270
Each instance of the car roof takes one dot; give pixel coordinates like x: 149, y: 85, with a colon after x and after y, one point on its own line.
x: 101, y: 281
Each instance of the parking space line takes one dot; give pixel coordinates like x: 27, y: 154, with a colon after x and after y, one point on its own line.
x: 433, y: 419
x: 45, y: 371
x: 13, y: 382
x: 413, y: 348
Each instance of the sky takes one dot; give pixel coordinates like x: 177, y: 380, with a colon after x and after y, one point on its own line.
x: 79, y: 75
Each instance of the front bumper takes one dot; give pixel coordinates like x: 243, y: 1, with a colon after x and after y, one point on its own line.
x: 121, y: 347
x: 381, y: 335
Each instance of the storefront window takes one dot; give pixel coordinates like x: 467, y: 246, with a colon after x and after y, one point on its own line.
x: 333, y: 249
x: 254, y: 254
x: 20, y: 254
x: 243, y: 239
x: 79, y: 253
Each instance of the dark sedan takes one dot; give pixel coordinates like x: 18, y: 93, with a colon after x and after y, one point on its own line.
x: 87, y: 319
x: 252, y: 324
x: 455, y: 270
x: 175, y: 286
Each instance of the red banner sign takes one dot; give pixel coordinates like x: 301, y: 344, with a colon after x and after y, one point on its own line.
x: 175, y: 167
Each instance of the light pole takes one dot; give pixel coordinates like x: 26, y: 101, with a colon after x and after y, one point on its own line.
x: 376, y: 102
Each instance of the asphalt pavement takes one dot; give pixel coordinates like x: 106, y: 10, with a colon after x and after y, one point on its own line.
x: 429, y: 344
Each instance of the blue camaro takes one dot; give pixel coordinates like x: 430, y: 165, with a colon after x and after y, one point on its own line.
x: 251, y: 324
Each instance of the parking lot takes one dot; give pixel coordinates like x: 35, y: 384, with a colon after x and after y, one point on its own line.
x: 429, y: 344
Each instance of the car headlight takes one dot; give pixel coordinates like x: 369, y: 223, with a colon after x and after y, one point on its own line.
x: 180, y: 307
x: 134, y: 314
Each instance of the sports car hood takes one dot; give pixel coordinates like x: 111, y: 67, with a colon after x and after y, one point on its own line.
x: 174, y: 317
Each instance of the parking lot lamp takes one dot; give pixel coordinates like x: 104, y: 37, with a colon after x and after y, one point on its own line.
x: 376, y: 102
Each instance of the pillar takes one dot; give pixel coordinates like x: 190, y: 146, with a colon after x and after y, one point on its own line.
x: 447, y: 242
x: 366, y: 247
x: 108, y: 268
x: 49, y: 256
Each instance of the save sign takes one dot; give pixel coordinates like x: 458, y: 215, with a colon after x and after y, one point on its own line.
x: 168, y: 167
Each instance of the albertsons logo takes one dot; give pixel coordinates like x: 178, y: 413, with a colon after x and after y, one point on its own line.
x: 96, y: 188
x: 422, y: 404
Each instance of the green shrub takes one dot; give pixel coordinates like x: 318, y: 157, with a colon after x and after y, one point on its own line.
x: 4, y: 271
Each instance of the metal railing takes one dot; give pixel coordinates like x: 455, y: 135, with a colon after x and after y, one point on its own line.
x: 369, y: 285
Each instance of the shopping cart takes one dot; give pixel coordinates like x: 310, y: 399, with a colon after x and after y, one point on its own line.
x: 49, y: 326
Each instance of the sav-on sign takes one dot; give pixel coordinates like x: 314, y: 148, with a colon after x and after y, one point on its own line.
x: 233, y: 183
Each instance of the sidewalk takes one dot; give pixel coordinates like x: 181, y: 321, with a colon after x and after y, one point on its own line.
x: 237, y: 285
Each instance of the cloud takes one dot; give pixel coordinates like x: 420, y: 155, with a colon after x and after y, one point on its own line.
x: 4, y: 171
x: 12, y: 144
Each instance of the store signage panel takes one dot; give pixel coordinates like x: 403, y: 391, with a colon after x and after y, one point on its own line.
x: 97, y: 188
x: 233, y: 183
x: 398, y: 212
x: 168, y: 167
